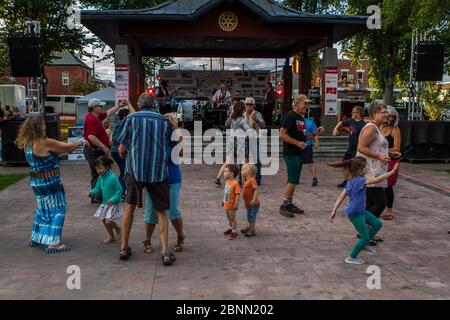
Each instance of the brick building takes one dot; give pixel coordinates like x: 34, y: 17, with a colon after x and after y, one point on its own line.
x: 62, y: 72
x: 350, y: 76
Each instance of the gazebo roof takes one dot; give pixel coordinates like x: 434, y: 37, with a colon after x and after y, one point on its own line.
x: 177, y: 28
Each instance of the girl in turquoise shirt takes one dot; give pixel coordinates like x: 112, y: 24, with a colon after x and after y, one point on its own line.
x: 111, y: 208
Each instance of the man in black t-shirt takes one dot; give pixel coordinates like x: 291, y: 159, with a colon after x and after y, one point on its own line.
x: 355, y: 124
x: 292, y: 132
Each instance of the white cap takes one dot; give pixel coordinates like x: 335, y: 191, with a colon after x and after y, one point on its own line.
x: 95, y: 102
x: 249, y: 100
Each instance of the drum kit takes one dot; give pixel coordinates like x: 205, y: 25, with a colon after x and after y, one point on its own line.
x: 201, y: 109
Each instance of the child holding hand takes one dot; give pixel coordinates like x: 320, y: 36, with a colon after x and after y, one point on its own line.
x: 231, y: 198
x: 251, y: 199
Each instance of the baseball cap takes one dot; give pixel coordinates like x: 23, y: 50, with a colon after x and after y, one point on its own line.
x: 249, y: 100
x: 301, y: 97
x: 95, y: 102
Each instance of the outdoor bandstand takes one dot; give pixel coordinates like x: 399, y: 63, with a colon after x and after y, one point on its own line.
x: 245, y: 29
x: 221, y: 28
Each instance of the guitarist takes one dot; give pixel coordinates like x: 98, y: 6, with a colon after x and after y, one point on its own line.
x: 221, y: 96
x: 163, y: 96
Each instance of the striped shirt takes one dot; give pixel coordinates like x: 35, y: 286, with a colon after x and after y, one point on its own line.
x: 146, y: 135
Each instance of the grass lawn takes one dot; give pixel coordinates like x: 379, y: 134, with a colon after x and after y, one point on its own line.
x: 8, y: 179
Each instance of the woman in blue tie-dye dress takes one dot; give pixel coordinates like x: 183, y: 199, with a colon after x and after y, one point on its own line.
x: 42, y: 155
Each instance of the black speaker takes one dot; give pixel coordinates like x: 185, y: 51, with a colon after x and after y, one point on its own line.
x: 25, y: 53
x: 430, y: 61
x: 10, y: 153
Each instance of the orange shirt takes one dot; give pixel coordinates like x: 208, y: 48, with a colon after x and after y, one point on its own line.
x: 248, y: 191
x: 230, y: 194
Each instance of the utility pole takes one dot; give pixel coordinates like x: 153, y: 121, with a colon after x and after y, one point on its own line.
x: 210, y: 64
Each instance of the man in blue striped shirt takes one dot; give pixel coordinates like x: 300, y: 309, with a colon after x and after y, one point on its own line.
x: 144, y: 138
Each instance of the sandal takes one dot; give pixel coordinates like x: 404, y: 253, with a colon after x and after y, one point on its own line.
x: 34, y: 244
x: 168, y: 258
x: 58, y: 249
x: 372, y: 243
x: 125, y: 254
x: 218, y: 182
x: 147, y: 246
x: 388, y: 216
x: 180, y: 243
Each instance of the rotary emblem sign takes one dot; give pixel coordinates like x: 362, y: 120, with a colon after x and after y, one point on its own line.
x: 228, y: 21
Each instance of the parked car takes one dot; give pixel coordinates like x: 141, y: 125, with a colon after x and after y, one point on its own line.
x: 445, y: 115
x: 64, y: 105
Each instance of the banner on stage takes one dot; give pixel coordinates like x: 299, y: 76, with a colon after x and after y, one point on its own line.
x: 122, y: 84
x: 331, y: 91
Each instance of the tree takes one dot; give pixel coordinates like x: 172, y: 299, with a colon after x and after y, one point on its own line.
x: 53, y: 17
x: 316, y: 6
x: 150, y: 63
x: 389, y: 48
x: 78, y: 86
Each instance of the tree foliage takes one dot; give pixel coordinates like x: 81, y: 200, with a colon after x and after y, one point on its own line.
x: 389, y: 48
x: 150, y: 63
x: 79, y: 87
x: 53, y: 17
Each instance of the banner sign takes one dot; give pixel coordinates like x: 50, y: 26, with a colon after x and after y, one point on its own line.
x: 75, y: 134
x: 122, y: 85
x: 331, y: 91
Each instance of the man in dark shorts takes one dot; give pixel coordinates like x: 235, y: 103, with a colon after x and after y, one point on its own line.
x: 97, y: 139
x: 355, y: 124
x: 144, y: 137
x: 293, y: 133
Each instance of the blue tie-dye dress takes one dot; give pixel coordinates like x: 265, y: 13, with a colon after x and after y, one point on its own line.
x: 50, y: 198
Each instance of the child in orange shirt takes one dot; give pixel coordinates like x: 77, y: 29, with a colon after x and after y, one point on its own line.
x: 231, y: 198
x: 251, y: 199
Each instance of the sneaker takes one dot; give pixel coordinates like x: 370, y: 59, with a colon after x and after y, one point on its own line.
x: 217, y: 181
x: 232, y: 236
x: 285, y: 212
x: 229, y: 231
x: 369, y: 250
x: 351, y: 260
x: 245, y: 230
x: 315, y: 183
x: 250, y: 234
x: 342, y: 185
x: 295, y: 209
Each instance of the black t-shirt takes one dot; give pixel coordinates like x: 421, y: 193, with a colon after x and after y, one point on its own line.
x: 355, y: 130
x: 296, y: 129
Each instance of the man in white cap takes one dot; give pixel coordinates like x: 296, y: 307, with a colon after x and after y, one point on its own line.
x: 256, y: 122
x: 96, y: 136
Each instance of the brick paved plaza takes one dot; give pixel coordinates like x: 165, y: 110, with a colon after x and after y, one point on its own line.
x: 297, y: 258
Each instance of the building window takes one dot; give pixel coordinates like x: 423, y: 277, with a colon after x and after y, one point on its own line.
x: 360, y: 75
x: 65, y: 78
x: 344, y: 74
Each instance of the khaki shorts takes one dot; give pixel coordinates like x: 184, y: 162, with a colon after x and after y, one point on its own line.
x: 159, y: 193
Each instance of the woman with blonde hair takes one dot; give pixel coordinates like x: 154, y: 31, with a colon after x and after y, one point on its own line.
x: 238, y: 124
x: 42, y: 155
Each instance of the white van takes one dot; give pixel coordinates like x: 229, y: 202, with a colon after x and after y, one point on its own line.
x: 64, y: 105
x: 12, y: 97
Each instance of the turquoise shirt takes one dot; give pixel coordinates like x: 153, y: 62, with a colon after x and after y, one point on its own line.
x: 109, y: 186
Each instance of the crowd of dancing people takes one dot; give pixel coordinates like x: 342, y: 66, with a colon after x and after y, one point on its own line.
x: 139, y: 140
